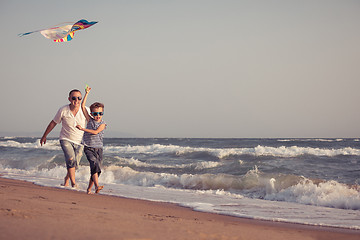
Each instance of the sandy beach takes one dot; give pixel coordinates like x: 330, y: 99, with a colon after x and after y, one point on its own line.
x: 29, y: 211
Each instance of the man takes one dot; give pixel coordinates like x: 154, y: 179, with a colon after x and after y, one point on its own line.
x: 70, y: 116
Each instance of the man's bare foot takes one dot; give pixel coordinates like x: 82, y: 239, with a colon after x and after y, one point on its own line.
x: 89, y: 192
x: 74, y: 185
x: 98, y: 189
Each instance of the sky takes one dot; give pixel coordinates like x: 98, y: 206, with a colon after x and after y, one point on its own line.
x: 187, y: 68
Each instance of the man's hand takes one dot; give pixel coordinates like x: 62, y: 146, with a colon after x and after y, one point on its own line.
x: 42, y: 140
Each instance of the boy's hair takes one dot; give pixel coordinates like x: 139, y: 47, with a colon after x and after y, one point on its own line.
x: 74, y: 90
x: 96, y: 105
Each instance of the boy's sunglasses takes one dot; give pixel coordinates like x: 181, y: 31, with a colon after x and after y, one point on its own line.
x: 97, y: 113
x: 74, y: 98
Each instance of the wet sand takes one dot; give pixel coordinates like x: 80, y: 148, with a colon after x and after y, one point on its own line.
x: 28, y: 211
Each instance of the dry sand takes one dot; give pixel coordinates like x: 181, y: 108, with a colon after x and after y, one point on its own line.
x: 28, y: 211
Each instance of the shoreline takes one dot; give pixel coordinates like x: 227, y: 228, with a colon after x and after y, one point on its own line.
x: 48, y: 212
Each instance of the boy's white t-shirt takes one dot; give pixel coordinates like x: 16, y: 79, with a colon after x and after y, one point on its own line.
x: 69, y: 122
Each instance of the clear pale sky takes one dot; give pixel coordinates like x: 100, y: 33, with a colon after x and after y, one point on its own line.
x: 198, y: 68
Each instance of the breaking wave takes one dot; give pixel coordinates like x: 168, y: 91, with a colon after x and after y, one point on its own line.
x: 220, y: 153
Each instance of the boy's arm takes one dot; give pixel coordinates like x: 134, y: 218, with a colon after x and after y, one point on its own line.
x: 99, y: 129
x: 83, y: 108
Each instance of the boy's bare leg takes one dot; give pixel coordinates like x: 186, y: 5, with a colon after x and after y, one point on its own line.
x: 95, y: 178
x: 98, y: 189
x: 91, y: 183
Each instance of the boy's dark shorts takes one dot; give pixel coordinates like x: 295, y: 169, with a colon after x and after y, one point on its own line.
x: 94, y: 156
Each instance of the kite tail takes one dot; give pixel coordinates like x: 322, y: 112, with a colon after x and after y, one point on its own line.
x: 23, y: 34
x: 53, y: 27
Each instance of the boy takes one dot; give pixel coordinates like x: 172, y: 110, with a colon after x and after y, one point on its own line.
x: 93, y: 140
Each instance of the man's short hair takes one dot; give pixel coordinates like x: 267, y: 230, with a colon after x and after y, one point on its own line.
x: 74, y: 90
x: 96, y: 105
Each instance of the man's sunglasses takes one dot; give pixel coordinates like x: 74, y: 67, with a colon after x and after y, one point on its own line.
x: 97, y: 113
x: 74, y: 98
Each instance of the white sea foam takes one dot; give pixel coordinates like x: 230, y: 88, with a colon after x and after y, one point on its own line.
x: 220, y: 153
x: 226, y: 152
x: 327, y: 194
x: 7, y: 137
x: 311, y: 140
x: 197, y: 165
x: 50, y: 144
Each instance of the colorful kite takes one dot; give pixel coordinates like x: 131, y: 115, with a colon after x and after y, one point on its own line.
x: 62, y: 33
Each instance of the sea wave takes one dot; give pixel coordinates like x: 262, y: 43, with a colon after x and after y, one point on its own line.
x: 223, y: 153
x: 310, y: 140
x: 220, y: 153
x: 289, y: 188
x: 327, y: 194
x: 254, y: 184
x: 197, y: 166
x: 50, y: 144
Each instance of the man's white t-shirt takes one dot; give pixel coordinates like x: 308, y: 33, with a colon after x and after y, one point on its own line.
x: 69, y: 131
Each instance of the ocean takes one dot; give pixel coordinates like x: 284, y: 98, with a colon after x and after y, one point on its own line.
x: 305, y: 181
